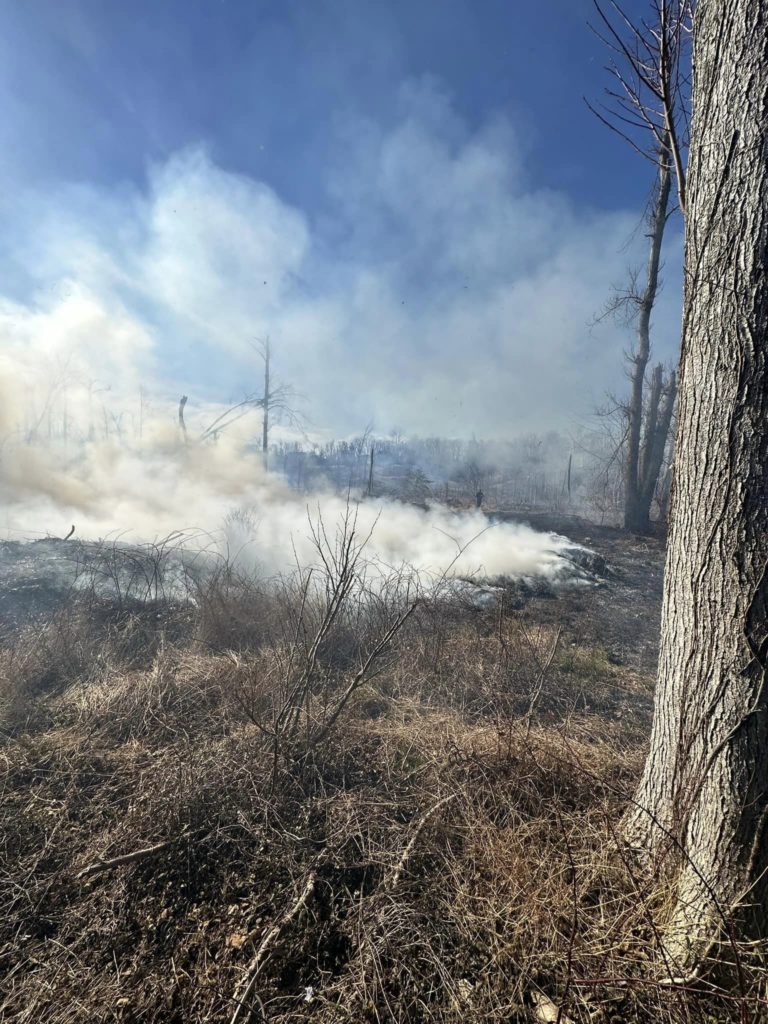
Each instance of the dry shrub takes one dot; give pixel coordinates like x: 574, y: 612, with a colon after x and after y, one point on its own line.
x: 237, y: 611
x: 514, y: 885
x: 76, y: 646
x: 40, y: 662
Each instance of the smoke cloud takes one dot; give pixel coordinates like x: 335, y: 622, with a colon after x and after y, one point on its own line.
x: 440, y: 291
x: 163, y: 486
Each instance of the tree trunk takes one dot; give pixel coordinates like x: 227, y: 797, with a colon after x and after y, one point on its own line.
x: 665, y: 487
x: 265, y: 420
x: 182, y: 424
x: 706, y: 778
x: 662, y: 401
x: 633, y: 512
x: 651, y: 422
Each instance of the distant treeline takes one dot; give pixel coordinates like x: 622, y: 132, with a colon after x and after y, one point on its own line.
x: 552, y: 471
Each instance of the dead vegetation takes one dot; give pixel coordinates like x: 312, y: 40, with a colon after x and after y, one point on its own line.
x: 313, y: 801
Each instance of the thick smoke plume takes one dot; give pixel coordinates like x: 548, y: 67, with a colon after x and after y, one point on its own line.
x: 221, y: 495
x: 83, y: 443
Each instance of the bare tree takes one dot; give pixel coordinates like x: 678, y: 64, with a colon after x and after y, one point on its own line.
x: 182, y: 425
x: 648, y: 101
x: 703, y: 800
x: 647, y: 106
x: 276, y: 398
x: 647, y: 422
x: 265, y: 405
x: 658, y: 424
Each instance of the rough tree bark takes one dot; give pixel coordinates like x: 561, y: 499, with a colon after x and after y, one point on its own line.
x: 706, y: 778
x: 636, y: 510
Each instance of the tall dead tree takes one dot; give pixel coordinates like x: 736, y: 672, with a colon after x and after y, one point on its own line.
x: 276, y: 398
x: 182, y: 425
x: 644, y: 402
x: 702, y: 805
x: 369, y: 492
x: 265, y: 405
x: 647, y: 107
x: 661, y: 407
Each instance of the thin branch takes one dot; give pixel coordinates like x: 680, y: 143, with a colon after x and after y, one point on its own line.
x: 249, y: 980
x: 128, y: 858
x: 394, y: 877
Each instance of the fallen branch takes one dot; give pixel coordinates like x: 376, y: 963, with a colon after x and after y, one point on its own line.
x: 394, y: 877
x: 127, y: 858
x: 249, y: 980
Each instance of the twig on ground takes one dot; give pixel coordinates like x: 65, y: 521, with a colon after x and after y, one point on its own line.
x: 249, y: 979
x: 394, y: 877
x: 128, y: 858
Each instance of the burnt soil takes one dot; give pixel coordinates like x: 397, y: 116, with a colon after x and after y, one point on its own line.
x: 623, y: 613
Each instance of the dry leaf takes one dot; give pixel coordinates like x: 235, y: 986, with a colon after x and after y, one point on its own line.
x: 546, y: 1012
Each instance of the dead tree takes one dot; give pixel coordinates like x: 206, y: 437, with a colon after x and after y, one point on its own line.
x: 647, y: 106
x: 664, y: 489
x: 639, y: 461
x: 702, y: 804
x: 659, y: 414
x: 370, y: 470
x: 265, y: 406
x: 275, y: 398
x: 648, y: 101
x: 182, y: 425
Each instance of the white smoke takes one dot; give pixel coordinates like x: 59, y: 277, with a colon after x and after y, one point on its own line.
x: 438, y: 288
x: 146, y: 492
x: 82, y: 444
x: 443, y: 291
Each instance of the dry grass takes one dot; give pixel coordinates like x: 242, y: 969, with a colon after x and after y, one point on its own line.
x: 454, y: 834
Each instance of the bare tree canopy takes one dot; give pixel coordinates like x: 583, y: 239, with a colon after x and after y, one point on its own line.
x: 647, y: 103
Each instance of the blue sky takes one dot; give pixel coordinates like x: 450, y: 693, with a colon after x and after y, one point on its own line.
x: 410, y: 198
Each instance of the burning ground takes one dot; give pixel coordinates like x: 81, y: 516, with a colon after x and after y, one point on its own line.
x: 41, y: 576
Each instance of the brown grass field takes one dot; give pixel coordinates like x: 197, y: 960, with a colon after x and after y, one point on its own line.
x: 234, y: 810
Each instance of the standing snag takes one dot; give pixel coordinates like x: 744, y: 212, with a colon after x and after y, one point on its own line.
x: 645, y: 448
x: 182, y: 425
x: 647, y: 105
